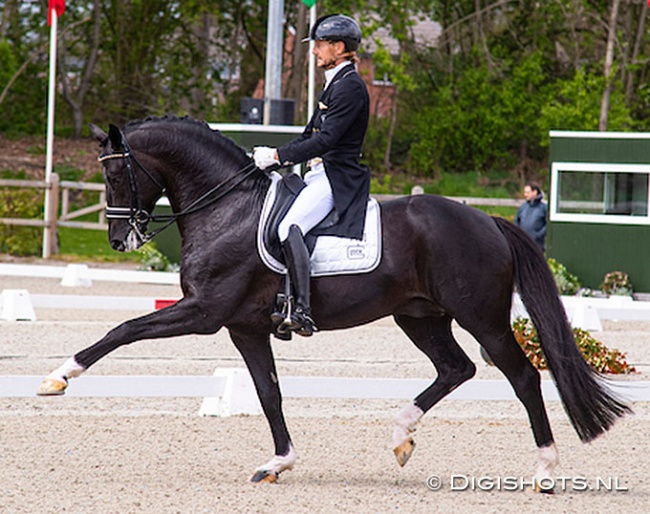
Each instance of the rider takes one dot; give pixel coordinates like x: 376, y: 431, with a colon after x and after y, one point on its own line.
x: 331, y: 142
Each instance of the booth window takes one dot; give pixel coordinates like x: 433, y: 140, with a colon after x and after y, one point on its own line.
x: 600, y: 193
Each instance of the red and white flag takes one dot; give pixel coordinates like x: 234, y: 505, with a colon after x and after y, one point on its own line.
x: 59, y: 7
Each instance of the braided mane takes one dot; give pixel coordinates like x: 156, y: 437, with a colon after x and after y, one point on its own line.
x: 190, y: 128
x: 193, y: 148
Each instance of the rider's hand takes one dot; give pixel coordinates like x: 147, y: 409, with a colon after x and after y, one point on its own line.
x: 265, y: 157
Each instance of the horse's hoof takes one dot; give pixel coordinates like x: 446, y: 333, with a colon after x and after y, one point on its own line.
x: 404, y: 451
x: 264, y: 475
x: 52, y: 387
x: 543, y: 490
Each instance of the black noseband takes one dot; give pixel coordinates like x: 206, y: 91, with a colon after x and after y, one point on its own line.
x: 137, y: 217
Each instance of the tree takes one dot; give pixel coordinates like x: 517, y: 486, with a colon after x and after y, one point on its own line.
x: 76, y: 67
x: 609, y: 62
x: 503, y: 73
x: 136, y: 35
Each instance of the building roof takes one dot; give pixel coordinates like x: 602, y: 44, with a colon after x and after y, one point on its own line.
x: 424, y: 32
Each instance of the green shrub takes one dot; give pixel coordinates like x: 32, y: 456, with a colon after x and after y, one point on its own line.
x: 15, y: 239
x: 153, y: 259
x: 599, y: 357
x: 567, y: 284
x: 14, y: 174
x: 375, y: 145
x: 381, y: 187
x: 69, y: 173
x: 617, y: 283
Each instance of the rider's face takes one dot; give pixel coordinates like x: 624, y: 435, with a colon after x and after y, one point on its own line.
x: 327, y: 53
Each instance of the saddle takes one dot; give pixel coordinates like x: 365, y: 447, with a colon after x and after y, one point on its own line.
x: 329, y: 255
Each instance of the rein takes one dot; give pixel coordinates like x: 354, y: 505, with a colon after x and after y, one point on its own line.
x: 139, y: 218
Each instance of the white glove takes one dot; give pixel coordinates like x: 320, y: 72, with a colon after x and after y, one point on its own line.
x: 264, y: 157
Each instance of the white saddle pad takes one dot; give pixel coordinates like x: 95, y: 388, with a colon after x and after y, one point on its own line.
x: 332, y: 255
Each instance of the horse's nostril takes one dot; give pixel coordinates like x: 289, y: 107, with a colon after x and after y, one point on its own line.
x: 117, y: 244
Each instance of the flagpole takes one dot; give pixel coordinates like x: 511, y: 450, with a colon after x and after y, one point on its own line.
x: 312, y: 65
x: 274, y: 44
x: 47, y: 233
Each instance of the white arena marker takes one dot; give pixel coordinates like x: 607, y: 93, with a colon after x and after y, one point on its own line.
x: 16, y: 305
x: 238, y: 395
x: 586, y: 317
x: 76, y: 275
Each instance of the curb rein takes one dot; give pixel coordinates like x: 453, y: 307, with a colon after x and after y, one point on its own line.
x: 139, y: 218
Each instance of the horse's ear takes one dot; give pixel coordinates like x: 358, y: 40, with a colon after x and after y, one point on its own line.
x: 115, y: 135
x: 99, y: 134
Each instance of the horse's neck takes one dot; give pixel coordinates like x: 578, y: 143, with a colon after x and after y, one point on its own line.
x: 226, y: 203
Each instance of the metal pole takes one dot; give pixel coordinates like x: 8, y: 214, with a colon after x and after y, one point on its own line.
x: 47, y: 231
x: 312, y: 66
x: 273, y: 73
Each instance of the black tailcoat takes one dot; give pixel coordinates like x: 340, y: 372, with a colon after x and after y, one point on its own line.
x: 335, y: 133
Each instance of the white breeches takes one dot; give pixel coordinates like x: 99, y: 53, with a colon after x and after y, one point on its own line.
x: 312, y: 204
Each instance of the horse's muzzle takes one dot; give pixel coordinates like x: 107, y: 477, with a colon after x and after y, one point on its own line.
x: 131, y: 242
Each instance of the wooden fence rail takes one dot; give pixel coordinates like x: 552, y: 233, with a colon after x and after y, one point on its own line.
x: 60, y: 195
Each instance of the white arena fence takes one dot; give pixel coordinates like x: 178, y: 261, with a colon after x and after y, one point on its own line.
x: 75, y: 275
x: 583, y: 312
x: 230, y: 390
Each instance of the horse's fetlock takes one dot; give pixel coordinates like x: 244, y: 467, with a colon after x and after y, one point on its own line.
x: 468, y: 372
x: 69, y: 369
x: 405, y: 423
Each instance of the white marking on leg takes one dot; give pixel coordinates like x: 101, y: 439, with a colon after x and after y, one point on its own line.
x: 404, y: 424
x: 69, y: 369
x: 549, y: 458
x: 280, y: 462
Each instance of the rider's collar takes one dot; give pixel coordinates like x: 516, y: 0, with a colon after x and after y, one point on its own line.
x: 330, y: 74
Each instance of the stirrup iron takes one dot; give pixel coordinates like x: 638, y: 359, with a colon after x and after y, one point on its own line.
x: 282, y: 312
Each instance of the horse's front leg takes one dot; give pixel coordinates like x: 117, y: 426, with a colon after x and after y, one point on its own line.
x: 255, y: 348
x: 188, y: 316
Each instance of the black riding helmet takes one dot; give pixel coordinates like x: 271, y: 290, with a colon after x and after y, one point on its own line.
x: 337, y: 27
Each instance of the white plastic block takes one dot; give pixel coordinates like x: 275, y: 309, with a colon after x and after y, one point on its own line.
x: 16, y: 305
x: 586, y: 317
x: 239, y: 395
x: 76, y: 275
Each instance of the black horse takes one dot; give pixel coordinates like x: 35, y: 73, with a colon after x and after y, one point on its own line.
x: 441, y: 261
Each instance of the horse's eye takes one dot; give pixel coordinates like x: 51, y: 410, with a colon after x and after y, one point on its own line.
x: 113, y: 178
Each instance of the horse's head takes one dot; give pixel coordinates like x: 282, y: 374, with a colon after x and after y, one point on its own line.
x: 131, y: 190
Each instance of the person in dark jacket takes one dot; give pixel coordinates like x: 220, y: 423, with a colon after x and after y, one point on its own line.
x: 531, y: 215
x: 331, y: 145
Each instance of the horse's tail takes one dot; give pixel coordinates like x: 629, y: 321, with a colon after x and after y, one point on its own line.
x: 591, y: 407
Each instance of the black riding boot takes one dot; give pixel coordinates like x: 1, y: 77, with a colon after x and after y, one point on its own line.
x: 297, y: 260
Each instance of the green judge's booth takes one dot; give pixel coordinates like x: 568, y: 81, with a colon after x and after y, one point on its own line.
x: 599, y: 213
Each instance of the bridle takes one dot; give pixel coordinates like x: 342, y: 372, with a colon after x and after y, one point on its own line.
x: 139, y: 218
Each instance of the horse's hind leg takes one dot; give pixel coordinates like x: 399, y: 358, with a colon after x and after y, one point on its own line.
x: 506, y: 354
x: 433, y: 336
